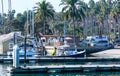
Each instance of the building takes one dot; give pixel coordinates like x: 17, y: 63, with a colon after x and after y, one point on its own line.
x: 7, y: 42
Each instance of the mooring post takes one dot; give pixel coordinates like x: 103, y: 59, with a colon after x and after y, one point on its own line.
x: 16, y: 56
x: 15, y: 38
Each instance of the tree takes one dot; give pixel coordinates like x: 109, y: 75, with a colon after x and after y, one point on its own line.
x: 115, y: 14
x: 102, y: 16
x: 45, y: 11
x: 73, y: 10
x: 91, y: 14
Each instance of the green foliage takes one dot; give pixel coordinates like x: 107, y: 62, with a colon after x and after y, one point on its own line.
x: 48, y: 21
x: 73, y: 9
x: 45, y: 11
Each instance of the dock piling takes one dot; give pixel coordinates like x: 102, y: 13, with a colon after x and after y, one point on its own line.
x: 16, y: 56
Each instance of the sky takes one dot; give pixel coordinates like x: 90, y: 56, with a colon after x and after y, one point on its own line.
x: 21, y: 5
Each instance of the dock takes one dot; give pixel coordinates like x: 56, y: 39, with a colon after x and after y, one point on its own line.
x: 64, y: 68
x: 106, y: 55
x: 61, y: 59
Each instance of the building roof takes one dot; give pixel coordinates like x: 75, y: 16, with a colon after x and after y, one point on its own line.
x: 6, y: 37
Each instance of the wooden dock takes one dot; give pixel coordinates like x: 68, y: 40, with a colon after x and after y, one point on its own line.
x: 64, y: 68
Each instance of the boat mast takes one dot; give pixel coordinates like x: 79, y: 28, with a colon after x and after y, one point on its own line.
x: 27, y: 24
x: 65, y: 31
x: 9, y: 10
x: 2, y: 10
x: 33, y: 22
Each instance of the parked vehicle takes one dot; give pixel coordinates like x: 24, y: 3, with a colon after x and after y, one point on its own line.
x: 101, y: 43
x: 116, y: 42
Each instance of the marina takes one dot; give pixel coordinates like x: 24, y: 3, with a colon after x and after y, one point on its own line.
x: 81, y: 38
x: 59, y: 55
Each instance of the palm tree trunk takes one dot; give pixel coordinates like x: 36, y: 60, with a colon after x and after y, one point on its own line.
x: 44, y: 27
x: 100, y: 29
x: 74, y: 31
x: 93, y: 30
x: 108, y: 24
x: 85, y: 26
x: 119, y: 25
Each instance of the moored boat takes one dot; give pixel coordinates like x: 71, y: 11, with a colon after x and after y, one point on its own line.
x: 65, y: 51
x: 30, y: 51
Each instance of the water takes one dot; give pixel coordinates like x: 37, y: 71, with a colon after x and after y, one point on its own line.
x: 4, y: 72
x: 74, y: 74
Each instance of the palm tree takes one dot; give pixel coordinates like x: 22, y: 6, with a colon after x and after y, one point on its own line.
x: 104, y: 12
x: 92, y: 14
x: 102, y: 15
x: 91, y: 3
x: 100, y: 18
x: 45, y: 11
x: 115, y: 14
x: 73, y: 10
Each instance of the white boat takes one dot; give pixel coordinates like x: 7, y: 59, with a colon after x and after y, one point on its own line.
x: 65, y: 51
x: 30, y: 51
x: 68, y: 51
x: 97, y: 44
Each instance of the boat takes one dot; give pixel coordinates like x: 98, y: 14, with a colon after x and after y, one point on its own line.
x: 64, y: 51
x: 68, y: 51
x: 97, y: 43
x: 30, y: 51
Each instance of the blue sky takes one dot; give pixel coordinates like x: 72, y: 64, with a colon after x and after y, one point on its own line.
x: 22, y: 5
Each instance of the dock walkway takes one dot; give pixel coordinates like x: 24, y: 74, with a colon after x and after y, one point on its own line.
x: 64, y: 68
x: 61, y: 59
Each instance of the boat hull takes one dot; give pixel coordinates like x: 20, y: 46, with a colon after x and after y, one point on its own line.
x: 79, y: 54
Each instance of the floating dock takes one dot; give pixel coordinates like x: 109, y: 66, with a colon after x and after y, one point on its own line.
x: 59, y: 59
x: 64, y: 68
